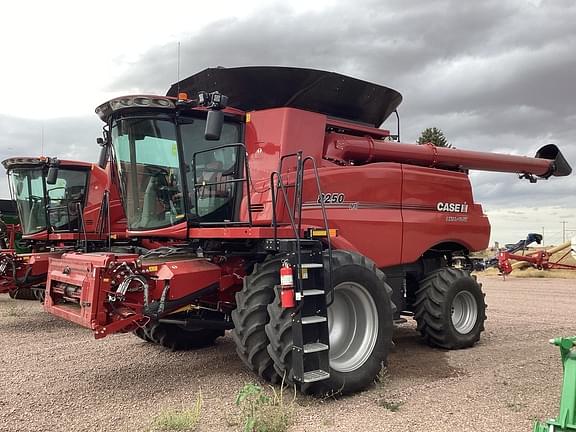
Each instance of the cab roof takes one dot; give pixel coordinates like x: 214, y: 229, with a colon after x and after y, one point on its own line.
x: 32, y: 162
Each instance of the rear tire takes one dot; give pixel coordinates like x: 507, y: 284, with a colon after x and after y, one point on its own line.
x: 450, y: 309
x: 356, y: 357
x: 176, y: 338
x: 251, y: 316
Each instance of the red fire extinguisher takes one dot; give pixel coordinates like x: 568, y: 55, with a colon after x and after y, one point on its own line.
x: 287, y: 286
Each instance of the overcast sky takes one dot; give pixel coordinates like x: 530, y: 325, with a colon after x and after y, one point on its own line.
x: 493, y: 75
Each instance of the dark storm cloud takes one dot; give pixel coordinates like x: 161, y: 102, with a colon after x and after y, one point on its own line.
x: 66, y: 138
x: 494, y: 75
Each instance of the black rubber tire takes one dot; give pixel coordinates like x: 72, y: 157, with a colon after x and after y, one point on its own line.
x: 346, y: 266
x: 433, y: 308
x: 22, y: 294
x: 251, y: 316
x: 142, y: 333
x: 176, y: 338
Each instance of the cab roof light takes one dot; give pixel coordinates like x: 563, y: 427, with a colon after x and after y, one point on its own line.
x: 117, y: 104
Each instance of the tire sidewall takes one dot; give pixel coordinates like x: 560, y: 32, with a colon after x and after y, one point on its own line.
x: 356, y: 380
x: 467, y: 284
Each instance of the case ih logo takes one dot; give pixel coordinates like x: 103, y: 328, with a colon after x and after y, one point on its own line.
x: 452, y: 207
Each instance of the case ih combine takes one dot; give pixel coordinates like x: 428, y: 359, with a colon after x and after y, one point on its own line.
x: 300, y: 225
x: 63, y: 205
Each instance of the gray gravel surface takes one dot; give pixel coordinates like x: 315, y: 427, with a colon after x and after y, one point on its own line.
x: 55, y: 377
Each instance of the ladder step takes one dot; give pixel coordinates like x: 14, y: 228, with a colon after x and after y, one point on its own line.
x: 315, y: 375
x: 311, y: 265
x: 315, y: 347
x: 312, y: 292
x: 313, y: 319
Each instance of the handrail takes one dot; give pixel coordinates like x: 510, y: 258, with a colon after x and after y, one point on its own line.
x: 104, y: 219
x: 325, y: 218
x: 295, y: 211
x: 82, y: 225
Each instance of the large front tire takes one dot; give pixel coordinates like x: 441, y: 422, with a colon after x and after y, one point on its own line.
x: 360, y: 326
x: 251, y: 316
x: 450, y: 308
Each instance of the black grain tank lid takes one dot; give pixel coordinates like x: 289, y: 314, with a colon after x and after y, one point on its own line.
x: 262, y: 87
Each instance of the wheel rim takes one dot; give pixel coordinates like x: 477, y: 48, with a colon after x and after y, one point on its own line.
x: 353, y: 326
x: 464, y: 312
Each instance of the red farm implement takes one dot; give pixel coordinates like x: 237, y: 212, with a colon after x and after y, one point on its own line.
x: 554, y: 258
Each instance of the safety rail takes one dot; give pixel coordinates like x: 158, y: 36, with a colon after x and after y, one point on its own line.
x: 104, y: 219
x: 295, y: 211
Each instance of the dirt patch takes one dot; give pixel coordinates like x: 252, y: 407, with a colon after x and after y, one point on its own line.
x: 55, y: 376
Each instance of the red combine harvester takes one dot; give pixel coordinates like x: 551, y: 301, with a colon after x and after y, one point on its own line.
x: 300, y: 225
x: 63, y: 206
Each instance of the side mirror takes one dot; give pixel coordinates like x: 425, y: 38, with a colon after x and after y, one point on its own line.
x: 103, y: 158
x: 52, y: 176
x: 214, y: 124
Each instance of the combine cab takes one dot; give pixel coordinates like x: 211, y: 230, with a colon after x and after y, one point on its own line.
x: 63, y: 206
x: 295, y: 222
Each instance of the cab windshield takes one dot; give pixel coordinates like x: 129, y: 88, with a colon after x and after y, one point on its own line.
x: 149, y: 167
x: 27, y: 186
x: 38, y: 203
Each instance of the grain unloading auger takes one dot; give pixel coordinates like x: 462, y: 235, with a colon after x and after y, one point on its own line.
x: 285, y: 208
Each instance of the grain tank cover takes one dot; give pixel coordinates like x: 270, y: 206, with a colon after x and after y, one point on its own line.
x: 262, y: 87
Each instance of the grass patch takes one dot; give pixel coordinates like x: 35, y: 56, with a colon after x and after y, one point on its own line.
x: 264, y: 412
x: 184, y: 420
x: 383, y: 377
x: 392, y: 406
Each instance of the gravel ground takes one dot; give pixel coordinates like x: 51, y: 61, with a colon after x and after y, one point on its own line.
x: 54, y: 376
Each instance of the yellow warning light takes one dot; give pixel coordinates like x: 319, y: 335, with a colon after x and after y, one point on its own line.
x: 322, y: 232
x: 182, y: 96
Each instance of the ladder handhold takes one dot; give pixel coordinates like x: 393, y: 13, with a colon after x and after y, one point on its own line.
x: 314, y: 347
x: 313, y: 319
x: 312, y: 292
